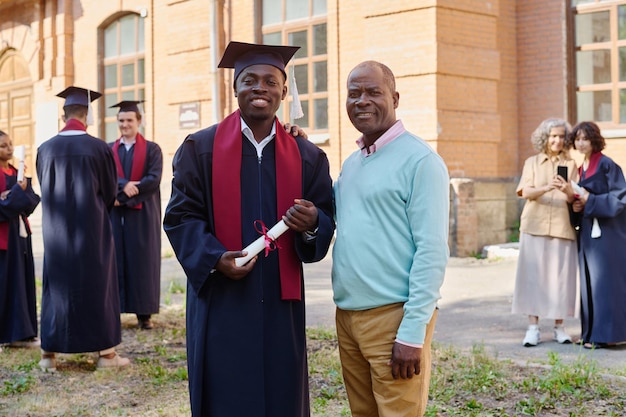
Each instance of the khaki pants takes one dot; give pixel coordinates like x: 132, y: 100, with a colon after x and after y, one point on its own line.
x: 365, y: 342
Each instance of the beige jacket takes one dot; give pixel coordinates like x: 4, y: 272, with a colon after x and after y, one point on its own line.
x: 547, y: 215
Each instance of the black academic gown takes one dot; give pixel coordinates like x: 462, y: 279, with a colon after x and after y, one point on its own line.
x: 246, y: 348
x: 18, y: 305
x: 137, y: 234
x: 80, y: 305
x: 601, y: 260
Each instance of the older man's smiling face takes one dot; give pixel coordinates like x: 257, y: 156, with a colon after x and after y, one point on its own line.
x: 371, y: 103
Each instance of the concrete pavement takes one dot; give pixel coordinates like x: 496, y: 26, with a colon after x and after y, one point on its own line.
x: 474, y: 308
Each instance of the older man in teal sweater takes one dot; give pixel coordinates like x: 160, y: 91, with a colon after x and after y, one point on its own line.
x: 389, y: 258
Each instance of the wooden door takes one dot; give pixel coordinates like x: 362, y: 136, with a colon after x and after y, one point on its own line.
x: 16, y: 105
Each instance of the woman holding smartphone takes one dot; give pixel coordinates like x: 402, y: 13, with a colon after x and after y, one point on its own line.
x: 545, y: 285
x: 600, y: 215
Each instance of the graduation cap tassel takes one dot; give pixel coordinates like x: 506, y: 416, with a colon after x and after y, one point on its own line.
x: 89, y: 109
x: 143, y: 119
x: 295, y: 110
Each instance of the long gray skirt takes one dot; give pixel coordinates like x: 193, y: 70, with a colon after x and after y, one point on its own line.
x: 546, y: 284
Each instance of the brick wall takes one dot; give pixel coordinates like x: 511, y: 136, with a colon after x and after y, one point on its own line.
x: 475, y: 77
x: 542, y: 67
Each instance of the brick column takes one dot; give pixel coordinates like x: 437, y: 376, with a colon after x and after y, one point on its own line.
x: 463, y: 218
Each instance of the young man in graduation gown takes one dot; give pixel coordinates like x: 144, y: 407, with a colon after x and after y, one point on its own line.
x: 80, y: 310
x: 136, y: 216
x: 246, y: 343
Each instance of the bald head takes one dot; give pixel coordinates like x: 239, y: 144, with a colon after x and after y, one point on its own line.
x: 388, y: 76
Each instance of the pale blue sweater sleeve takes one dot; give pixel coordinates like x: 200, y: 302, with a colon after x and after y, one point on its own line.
x: 392, y: 212
x: 428, y: 212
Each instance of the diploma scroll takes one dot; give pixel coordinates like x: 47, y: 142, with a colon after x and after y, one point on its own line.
x: 258, y: 245
x: 20, y: 153
x: 577, y: 189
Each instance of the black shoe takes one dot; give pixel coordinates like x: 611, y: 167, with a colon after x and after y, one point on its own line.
x: 144, y: 321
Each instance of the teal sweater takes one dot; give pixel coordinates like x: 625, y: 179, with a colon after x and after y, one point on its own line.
x: 392, y: 212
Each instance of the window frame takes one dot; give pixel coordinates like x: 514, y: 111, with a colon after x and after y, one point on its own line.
x: 285, y: 28
x: 614, y: 86
x: 138, y: 89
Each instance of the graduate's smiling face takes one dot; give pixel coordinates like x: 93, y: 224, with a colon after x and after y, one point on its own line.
x: 583, y: 145
x: 128, y: 122
x: 259, y: 90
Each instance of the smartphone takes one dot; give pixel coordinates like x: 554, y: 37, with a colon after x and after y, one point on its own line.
x: 562, y: 171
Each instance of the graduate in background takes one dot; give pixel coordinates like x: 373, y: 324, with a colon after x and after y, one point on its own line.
x: 136, y: 216
x: 18, y: 314
x: 80, y: 304
x: 599, y: 214
x: 246, y: 344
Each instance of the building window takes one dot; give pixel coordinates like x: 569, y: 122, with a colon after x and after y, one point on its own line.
x: 123, y: 67
x: 600, y: 41
x: 303, y: 23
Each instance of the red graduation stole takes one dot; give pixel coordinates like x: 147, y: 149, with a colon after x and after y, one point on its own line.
x: 226, y: 182
x: 139, y: 161
x: 4, y: 226
x: 74, y: 124
x: 594, y: 160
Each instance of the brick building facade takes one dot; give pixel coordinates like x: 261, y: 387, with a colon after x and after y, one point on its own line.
x: 475, y: 77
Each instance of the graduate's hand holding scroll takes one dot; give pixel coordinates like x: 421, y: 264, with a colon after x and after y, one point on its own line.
x: 23, y: 184
x: 227, y: 266
x: 302, y: 216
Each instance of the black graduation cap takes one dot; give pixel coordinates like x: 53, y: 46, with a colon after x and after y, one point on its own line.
x: 240, y: 55
x: 128, y: 105
x: 78, y: 95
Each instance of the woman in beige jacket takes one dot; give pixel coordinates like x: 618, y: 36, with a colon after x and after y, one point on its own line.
x: 546, y: 270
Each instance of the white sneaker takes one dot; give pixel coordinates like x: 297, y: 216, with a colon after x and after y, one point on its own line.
x: 533, y: 336
x: 48, y: 364
x: 115, y: 362
x: 560, y: 335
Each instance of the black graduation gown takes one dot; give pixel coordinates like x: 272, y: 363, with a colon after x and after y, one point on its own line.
x: 246, y: 348
x: 601, y: 260
x: 80, y: 305
x: 137, y: 234
x: 18, y: 304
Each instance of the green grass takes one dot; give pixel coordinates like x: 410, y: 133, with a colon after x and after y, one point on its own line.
x: 463, y: 384
x: 477, y: 384
x: 328, y: 395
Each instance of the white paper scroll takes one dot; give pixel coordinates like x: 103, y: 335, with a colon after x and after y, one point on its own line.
x: 20, y: 153
x: 258, y: 245
x: 577, y: 188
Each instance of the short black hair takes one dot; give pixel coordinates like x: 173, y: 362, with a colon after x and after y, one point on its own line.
x: 75, y: 110
x: 388, y: 76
